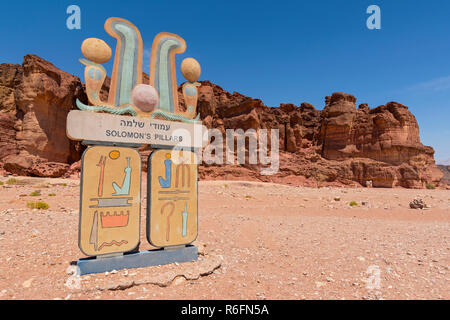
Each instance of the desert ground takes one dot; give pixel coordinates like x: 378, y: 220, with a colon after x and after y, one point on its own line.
x: 257, y: 241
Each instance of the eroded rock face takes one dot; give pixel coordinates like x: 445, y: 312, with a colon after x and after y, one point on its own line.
x: 27, y: 165
x: 388, y: 133
x: 223, y: 110
x: 35, y: 99
x: 9, y: 79
x: 8, y: 143
x: 340, y: 144
x: 43, y: 98
x: 338, y: 118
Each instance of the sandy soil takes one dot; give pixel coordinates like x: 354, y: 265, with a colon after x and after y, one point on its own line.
x: 259, y: 241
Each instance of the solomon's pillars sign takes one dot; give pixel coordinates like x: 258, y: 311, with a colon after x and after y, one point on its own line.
x: 103, y: 127
x: 110, y: 206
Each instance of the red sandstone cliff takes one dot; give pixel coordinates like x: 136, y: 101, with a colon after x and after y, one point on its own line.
x: 34, y: 101
x: 340, y: 144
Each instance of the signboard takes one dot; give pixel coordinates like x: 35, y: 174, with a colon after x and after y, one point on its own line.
x: 136, y: 114
x: 172, y: 198
x: 110, y: 200
x: 103, y: 127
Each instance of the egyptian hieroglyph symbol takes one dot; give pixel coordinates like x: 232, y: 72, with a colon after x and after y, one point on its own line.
x: 101, y: 164
x: 127, y: 70
x: 163, y: 76
x: 185, y: 216
x: 191, y: 71
x: 166, y: 182
x: 190, y: 94
x: 172, y: 208
x: 110, y: 214
x: 125, y: 188
x: 128, y: 95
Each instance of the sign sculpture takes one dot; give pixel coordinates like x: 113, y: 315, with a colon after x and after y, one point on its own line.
x: 136, y: 114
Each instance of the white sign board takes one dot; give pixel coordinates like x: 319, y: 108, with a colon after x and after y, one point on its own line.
x: 103, y: 127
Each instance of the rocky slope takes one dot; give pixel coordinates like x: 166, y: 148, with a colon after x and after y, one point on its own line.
x: 340, y: 144
x: 446, y: 171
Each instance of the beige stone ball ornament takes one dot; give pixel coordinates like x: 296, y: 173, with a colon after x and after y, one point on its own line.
x: 96, y: 50
x: 145, y: 97
x: 191, y: 69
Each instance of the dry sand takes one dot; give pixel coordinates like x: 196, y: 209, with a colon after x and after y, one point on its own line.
x: 259, y: 241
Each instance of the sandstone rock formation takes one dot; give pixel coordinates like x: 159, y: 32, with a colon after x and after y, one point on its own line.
x: 340, y: 144
x: 34, y: 101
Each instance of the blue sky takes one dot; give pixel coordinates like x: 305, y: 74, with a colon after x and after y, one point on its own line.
x: 278, y: 51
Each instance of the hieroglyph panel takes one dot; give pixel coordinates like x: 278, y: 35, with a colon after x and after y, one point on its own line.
x: 172, y: 208
x: 110, y: 200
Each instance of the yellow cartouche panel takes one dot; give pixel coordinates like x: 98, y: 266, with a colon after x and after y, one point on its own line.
x: 172, y: 198
x: 110, y: 200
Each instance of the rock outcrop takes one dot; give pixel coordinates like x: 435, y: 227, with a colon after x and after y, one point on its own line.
x: 34, y: 101
x: 388, y: 134
x: 340, y: 144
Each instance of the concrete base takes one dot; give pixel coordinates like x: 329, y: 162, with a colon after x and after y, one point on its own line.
x: 139, y: 259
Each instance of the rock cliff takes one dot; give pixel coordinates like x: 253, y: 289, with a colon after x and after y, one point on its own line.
x: 34, y: 101
x: 340, y: 144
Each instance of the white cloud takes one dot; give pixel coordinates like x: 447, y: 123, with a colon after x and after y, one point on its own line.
x: 435, y: 85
